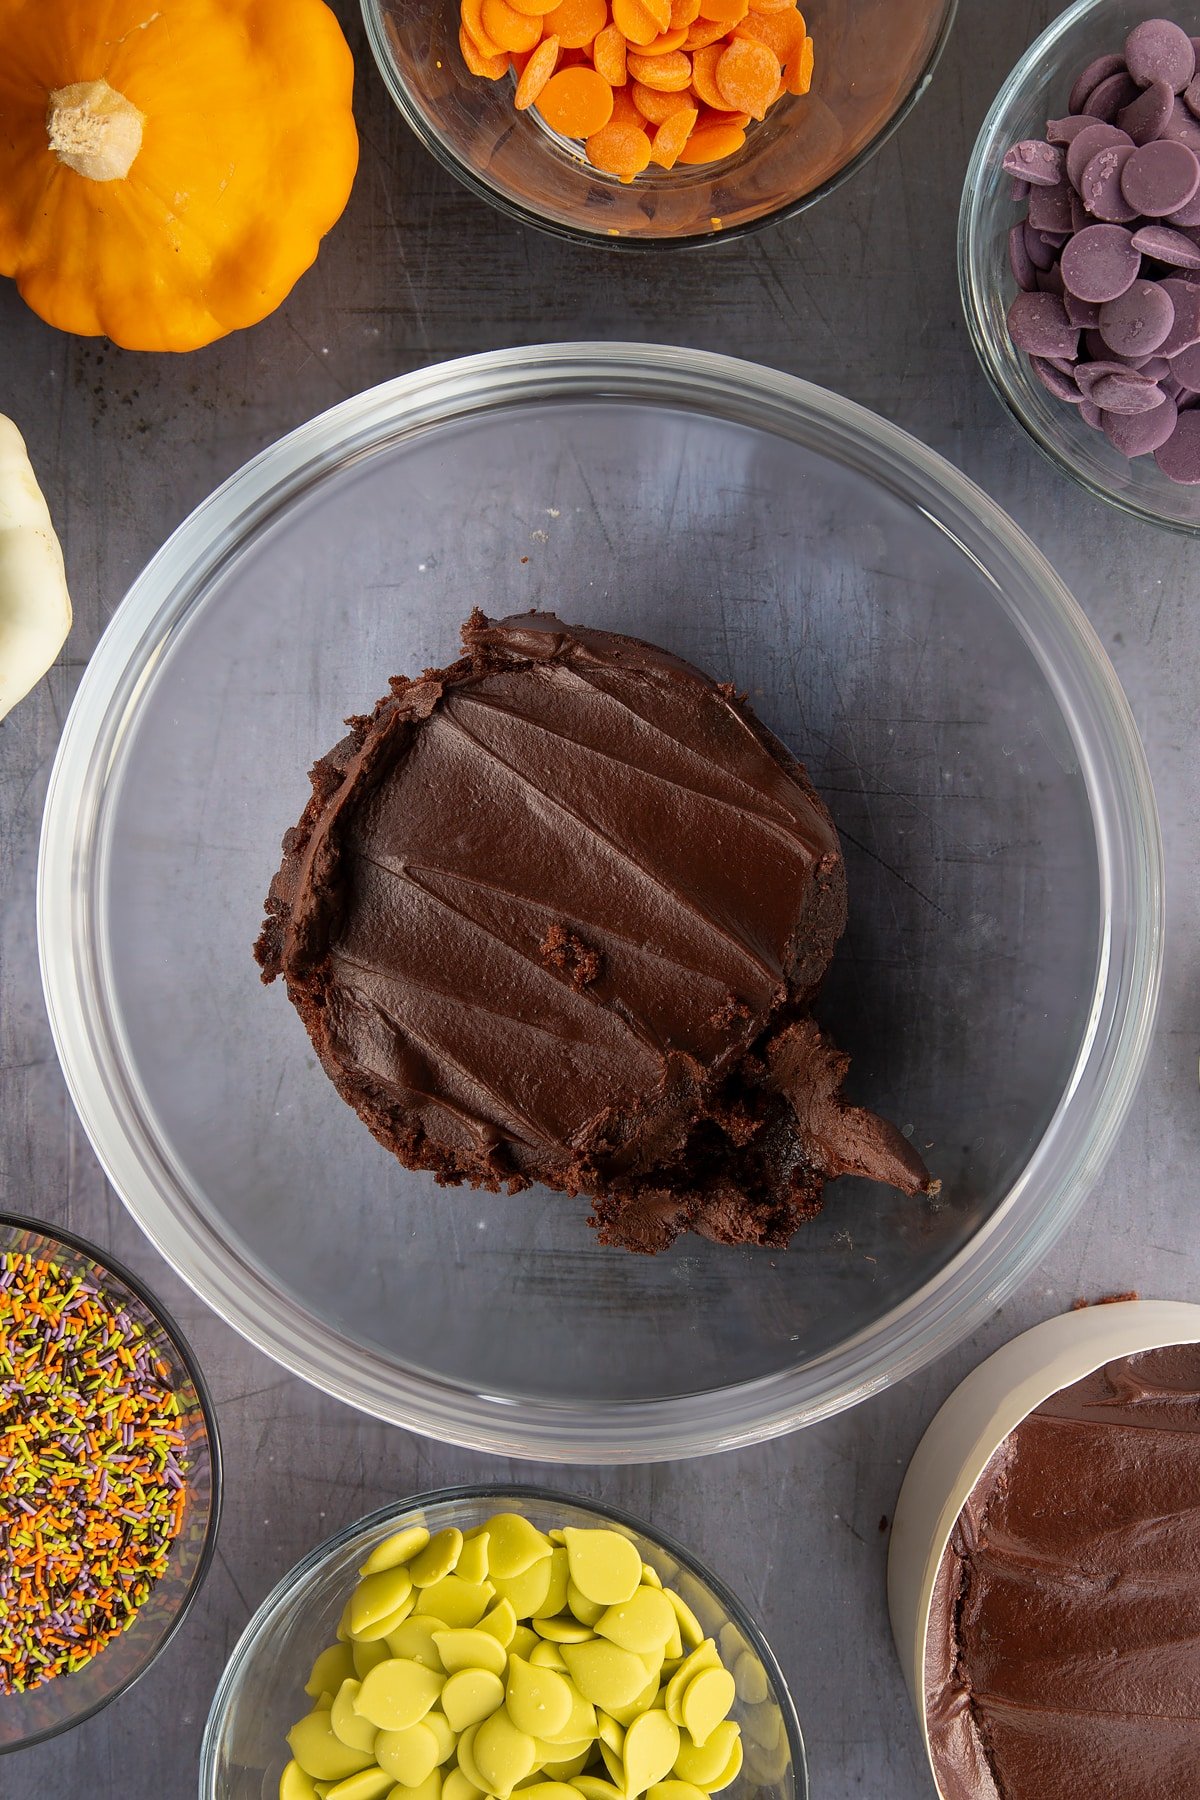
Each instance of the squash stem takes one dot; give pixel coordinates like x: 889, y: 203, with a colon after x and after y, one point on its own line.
x: 94, y: 130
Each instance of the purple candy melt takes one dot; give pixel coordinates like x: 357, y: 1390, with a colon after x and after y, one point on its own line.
x: 1100, y: 185
x: 1018, y: 190
x: 1158, y: 50
x: 1145, y: 117
x: 1186, y: 215
x: 1111, y: 97
x: 1020, y: 261
x: 1100, y: 262
x: 1182, y: 127
x: 1137, y: 434
x: 1191, y: 97
x: 1185, y: 367
x: 1038, y: 163
x: 1053, y: 378
x: 1138, y: 321
x: 1099, y: 352
x: 1167, y: 246
x: 1091, y: 77
x: 1088, y: 373
x: 1127, y: 392
x: 1160, y: 177
x: 1040, y: 253
x: 1038, y: 324
x: 1186, y: 330
x: 1050, y: 208
x: 1061, y: 131
x: 1084, y: 313
x: 1179, y: 457
x: 1091, y: 414
x: 1050, y: 281
x: 1087, y: 144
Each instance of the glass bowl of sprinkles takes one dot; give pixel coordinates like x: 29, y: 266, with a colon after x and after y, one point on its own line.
x: 559, y: 135
x: 288, y: 1712
x: 110, y: 1481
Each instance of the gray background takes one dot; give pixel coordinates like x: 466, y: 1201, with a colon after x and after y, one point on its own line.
x: 860, y: 295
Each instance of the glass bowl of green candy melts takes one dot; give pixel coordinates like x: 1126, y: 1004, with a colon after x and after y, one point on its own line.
x: 501, y: 1641
x: 110, y: 1481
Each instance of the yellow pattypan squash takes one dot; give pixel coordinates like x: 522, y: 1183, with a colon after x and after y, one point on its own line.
x: 169, y: 167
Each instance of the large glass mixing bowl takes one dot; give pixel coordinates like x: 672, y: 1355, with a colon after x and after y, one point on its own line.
x: 996, y: 986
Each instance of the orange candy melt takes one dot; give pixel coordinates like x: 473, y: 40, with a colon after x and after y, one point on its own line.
x: 642, y: 81
x: 489, y: 68
x: 620, y: 150
x: 536, y: 73
x: 577, y: 102
x: 510, y: 30
x: 575, y: 22
x: 747, y: 77
x: 608, y: 54
x: 669, y: 140
x: 669, y: 74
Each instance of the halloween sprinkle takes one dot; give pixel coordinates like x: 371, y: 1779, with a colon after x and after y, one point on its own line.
x: 92, y: 1470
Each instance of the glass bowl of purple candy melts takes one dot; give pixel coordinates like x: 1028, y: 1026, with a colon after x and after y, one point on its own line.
x: 1079, y: 251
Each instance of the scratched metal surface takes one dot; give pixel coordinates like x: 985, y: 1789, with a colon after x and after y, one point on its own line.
x: 859, y: 295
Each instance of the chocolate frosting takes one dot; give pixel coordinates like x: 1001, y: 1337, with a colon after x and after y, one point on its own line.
x: 1063, y: 1657
x: 540, y: 912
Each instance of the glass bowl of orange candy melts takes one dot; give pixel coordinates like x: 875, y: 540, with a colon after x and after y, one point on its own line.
x: 642, y: 122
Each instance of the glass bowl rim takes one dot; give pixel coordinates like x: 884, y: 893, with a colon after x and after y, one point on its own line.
x: 309, y: 1565
x: 974, y: 263
x: 972, y: 1283
x: 109, y: 1265
x: 598, y: 239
